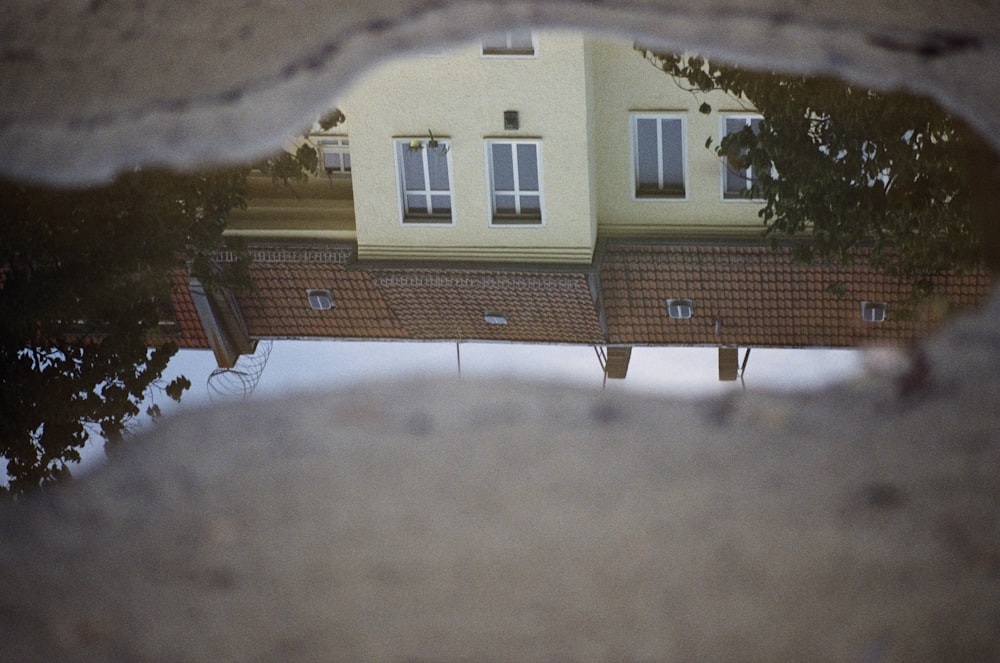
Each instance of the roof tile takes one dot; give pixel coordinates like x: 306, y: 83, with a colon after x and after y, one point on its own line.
x: 761, y: 297
x: 422, y: 303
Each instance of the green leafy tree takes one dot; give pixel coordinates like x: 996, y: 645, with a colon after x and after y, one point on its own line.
x: 843, y: 167
x: 85, y: 277
x: 286, y: 168
x: 332, y: 118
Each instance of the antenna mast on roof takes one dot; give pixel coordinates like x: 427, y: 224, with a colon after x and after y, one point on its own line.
x: 743, y: 368
x: 602, y: 359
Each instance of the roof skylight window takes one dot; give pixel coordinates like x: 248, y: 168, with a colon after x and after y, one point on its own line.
x: 320, y: 300
x: 873, y: 311
x: 495, y: 318
x: 680, y: 309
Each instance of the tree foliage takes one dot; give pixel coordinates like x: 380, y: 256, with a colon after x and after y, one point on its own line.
x: 85, y: 277
x: 286, y: 167
x: 843, y: 166
x: 332, y: 118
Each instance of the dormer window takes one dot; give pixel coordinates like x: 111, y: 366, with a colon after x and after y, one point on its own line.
x: 320, y: 300
x: 495, y: 318
x: 680, y: 308
x: 873, y: 311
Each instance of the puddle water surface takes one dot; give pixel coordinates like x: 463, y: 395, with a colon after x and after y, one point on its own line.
x: 542, y: 205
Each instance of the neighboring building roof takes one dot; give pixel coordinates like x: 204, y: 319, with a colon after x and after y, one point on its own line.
x: 179, y: 323
x: 760, y: 297
x: 189, y: 331
x: 416, y: 303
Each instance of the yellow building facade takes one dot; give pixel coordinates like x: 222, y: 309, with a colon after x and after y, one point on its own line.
x: 526, y: 147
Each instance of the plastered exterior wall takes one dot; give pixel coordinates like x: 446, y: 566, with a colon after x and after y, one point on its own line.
x: 624, y: 82
x: 461, y: 96
x: 575, y: 96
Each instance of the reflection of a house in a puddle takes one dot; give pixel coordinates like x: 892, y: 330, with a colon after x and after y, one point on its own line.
x: 634, y: 294
x: 565, y: 183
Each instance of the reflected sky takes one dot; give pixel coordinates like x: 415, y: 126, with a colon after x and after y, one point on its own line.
x: 668, y: 372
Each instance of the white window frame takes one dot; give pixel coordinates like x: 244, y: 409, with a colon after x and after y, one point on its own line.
x: 517, y: 220
x: 341, y: 147
x: 634, y: 142
x: 495, y: 318
x: 683, y: 307
x: 424, y: 219
x: 724, y: 164
x: 510, y: 51
x: 881, y: 310
x: 319, y: 299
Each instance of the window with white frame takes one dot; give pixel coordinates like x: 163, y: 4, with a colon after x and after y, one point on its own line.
x: 658, y: 151
x: 873, y: 311
x: 515, y: 43
x: 335, y: 153
x: 319, y: 299
x: 515, y: 182
x: 680, y: 309
x: 737, y: 178
x: 425, y: 180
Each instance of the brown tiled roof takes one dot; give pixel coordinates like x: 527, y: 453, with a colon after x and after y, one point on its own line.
x: 452, y: 304
x: 420, y: 303
x: 761, y: 297
x: 280, y: 307
x: 188, y: 332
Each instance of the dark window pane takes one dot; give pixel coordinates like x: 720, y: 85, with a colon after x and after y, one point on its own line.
x: 520, y: 40
x: 503, y: 167
x: 736, y: 182
x: 493, y: 43
x: 735, y: 125
x: 673, y: 157
x: 416, y: 204
x: 516, y: 42
x: 413, y: 168
x: 504, y: 204
x: 441, y: 204
x: 530, y: 205
x: 527, y: 166
x: 437, y: 165
x: 646, y: 151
